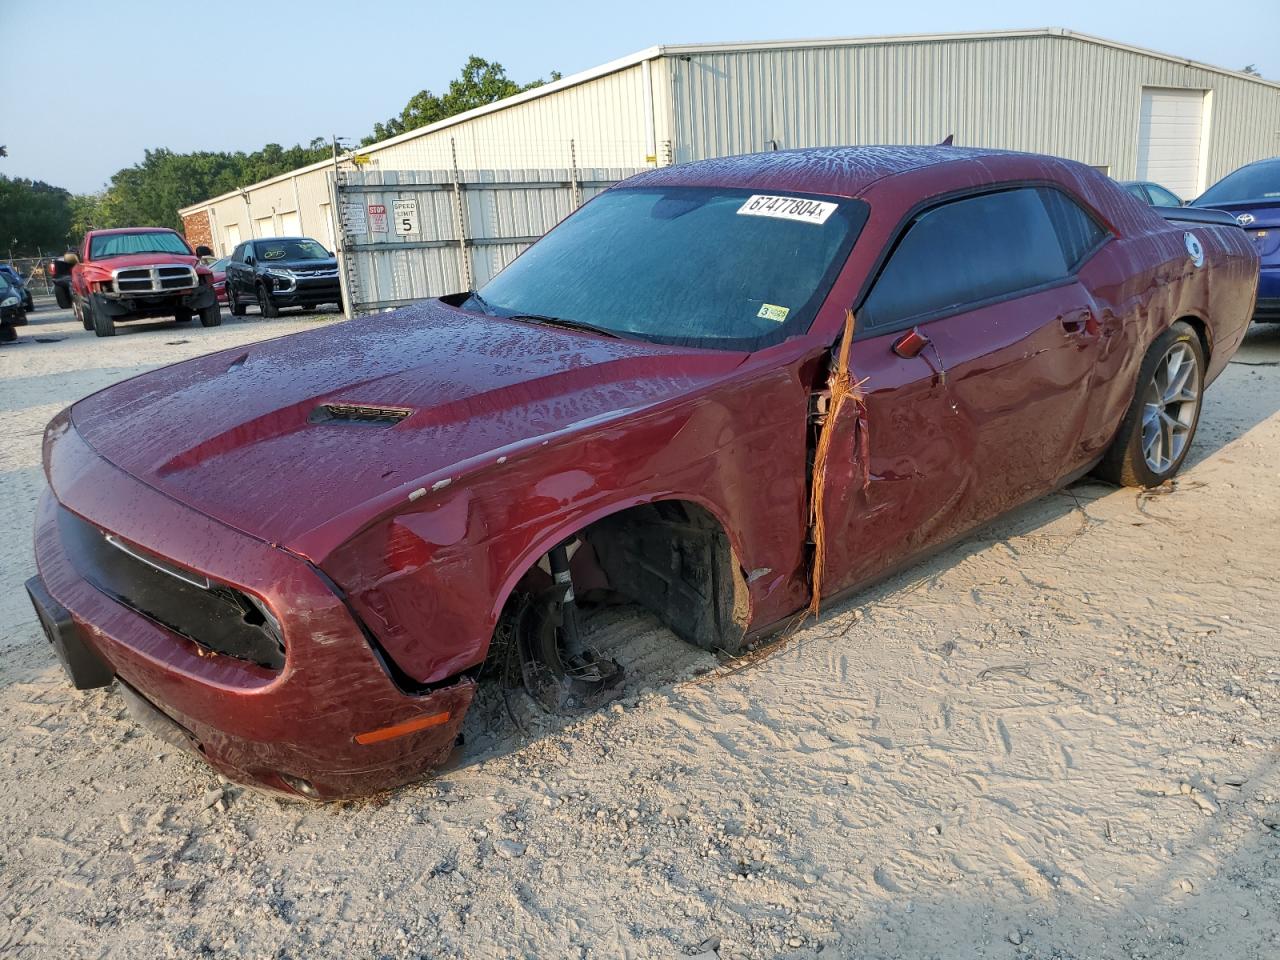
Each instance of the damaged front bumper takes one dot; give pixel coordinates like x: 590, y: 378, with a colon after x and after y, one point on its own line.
x: 330, y: 723
x: 121, y: 306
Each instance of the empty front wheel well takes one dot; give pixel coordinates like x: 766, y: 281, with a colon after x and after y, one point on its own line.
x: 672, y: 557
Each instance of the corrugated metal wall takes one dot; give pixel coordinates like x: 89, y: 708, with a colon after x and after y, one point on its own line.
x: 598, y: 123
x: 270, y: 202
x: 1061, y: 95
x: 604, y: 117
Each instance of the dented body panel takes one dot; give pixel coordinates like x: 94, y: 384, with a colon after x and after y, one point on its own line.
x: 389, y: 545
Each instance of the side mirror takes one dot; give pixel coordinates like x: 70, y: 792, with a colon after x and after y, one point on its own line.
x: 249, y: 260
x: 203, y: 251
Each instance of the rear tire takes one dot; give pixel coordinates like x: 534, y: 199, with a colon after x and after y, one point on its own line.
x: 7, y: 333
x: 1156, y: 433
x: 234, y: 305
x: 211, y: 316
x: 61, y: 296
x: 265, y: 304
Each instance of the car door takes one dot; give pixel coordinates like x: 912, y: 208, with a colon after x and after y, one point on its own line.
x: 232, y: 269
x: 897, y: 460
x: 975, y: 347
x: 1016, y: 334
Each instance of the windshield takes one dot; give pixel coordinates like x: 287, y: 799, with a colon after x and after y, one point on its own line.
x: 120, y: 244
x: 219, y: 266
x: 1258, y: 181
x: 276, y: 250
x: 695, y: 266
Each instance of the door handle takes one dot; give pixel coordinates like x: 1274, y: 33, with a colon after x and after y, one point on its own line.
x: 1080, y: 322
x: 910, y: 343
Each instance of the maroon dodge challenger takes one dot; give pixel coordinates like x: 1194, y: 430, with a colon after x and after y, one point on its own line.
x: 724, y: 391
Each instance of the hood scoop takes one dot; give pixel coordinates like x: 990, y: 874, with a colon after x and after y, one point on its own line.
x: 358, y: 413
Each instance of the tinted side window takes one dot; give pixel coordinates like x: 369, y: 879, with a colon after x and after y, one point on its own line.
x: 237, y: 254
x: 248, y: 252
x: 966, y: 251
x: 1078, y: 231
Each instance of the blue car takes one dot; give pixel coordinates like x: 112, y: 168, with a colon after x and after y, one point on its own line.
x: 1252, y: 195
x: 16, y: 281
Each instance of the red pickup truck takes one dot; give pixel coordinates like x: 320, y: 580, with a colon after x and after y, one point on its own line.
x: 138, y: 273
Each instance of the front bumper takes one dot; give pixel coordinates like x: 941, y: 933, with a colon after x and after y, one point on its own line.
x: 292, y: 730
x: 140, y: 307
x: 308, y: 293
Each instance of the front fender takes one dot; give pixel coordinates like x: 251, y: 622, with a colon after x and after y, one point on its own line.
x: 431, y: 580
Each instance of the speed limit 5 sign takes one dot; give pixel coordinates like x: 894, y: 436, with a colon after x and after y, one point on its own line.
x: 406, y: 217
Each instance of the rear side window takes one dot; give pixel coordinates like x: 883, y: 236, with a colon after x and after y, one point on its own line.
x: 1078, y: 232
x: 977, y: 249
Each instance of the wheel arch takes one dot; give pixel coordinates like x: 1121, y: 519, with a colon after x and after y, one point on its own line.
x: 698, y: 507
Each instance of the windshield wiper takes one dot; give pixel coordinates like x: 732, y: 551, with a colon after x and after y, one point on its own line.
x: 564, y: 322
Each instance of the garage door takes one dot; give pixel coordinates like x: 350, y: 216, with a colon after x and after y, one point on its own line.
x: 230, y: 238
x: 1169, y: 136
x: 265, y: 227
x: 290, y: 224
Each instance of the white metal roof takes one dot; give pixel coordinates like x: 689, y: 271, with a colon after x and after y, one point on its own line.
x: 690, y: 49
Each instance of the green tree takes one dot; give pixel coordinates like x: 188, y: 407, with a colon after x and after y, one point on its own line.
x: 150, y: 193
x: 34, y: 216
x: 480, y: 83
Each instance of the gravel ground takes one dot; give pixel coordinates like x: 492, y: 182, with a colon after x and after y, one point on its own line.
x: 1059, y: 739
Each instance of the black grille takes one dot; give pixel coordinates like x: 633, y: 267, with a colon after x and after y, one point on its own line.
x: 217, y: 618
x: 358, y: 413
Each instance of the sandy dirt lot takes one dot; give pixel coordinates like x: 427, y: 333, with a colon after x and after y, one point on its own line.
x: 1060, y: 739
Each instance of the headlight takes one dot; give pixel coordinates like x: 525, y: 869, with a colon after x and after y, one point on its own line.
x: 282, y: 279
x: 9, y: 302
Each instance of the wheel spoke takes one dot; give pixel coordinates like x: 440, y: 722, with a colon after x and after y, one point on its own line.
x: 1177, y: 382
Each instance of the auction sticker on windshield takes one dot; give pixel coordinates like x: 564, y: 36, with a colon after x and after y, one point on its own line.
x: 787, y: 208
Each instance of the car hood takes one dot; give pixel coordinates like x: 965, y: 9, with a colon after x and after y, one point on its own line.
x: 329, y: 264
x: 245, y: 436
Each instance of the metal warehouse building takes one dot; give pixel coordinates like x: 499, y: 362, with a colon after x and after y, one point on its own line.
x: 485, y: 183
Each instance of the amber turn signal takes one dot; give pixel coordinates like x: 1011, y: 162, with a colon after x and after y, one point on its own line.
x: 401, y: 729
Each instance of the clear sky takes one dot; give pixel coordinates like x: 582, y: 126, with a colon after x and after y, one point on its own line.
x: 87, y: 86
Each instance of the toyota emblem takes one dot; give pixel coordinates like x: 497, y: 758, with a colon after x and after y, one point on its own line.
x: 1245, y: 219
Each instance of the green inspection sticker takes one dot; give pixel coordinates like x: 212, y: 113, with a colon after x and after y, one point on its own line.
x: 771, y: 311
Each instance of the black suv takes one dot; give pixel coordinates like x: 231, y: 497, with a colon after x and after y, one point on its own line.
x: 281, y: 272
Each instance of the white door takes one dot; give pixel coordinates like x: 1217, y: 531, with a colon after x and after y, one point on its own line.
x: 230, y: 238
x: 1169, y: 139
x: 290, y: 224
x: 266, y: 227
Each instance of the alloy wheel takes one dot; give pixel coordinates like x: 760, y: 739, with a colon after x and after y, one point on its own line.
x: 1170, y: 407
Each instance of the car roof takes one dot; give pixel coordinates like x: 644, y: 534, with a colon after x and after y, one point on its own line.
x: 840, y: 171
x: 268, y: 239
